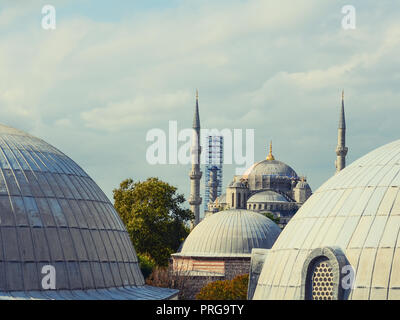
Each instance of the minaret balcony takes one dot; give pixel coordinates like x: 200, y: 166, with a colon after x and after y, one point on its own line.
x: 341, y: 151
x: 193, y: 201
x: 195, y: 175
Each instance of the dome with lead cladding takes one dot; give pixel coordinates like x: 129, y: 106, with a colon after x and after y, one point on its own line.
x: 230, y: 233
x: 352, y: 220
x: 53, y: 213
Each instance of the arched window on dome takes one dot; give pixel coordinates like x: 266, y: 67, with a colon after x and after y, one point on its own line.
x: 233, y: 200
x: 239, y: 203
x: 321, y: 275
x: 321, y: 281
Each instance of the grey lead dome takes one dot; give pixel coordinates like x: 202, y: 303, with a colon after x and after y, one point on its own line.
x: 357, y: 212
x: 53, y: 213
x: 271, y: 168
x: 267, y: 196
x: 230, y: 233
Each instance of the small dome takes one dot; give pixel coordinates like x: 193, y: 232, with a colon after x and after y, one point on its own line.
x: 302, y: 184
x: 272, y: 168
x: 267, y: 196
x: 356, y: 213
x: 237, y: 184
x: 53, y: 213
x: 230, y: 233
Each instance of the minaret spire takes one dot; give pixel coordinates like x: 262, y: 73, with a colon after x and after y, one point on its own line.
x: 341, y: 149
x: 195, y: 173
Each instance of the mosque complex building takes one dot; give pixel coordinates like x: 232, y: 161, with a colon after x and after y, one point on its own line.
x: 270, y: 187
x: 220, y: 246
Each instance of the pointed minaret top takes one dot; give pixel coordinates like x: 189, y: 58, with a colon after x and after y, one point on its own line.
x: 270, y: 156
x: 196, y: 118
x: 342, y: 121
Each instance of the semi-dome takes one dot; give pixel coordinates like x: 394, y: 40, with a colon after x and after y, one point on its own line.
x: 267, y: 196
x: 230, y: 233
x: 53, y: 215
x: 272, y: 168
x: 237, y: 184
x: 350, y: 224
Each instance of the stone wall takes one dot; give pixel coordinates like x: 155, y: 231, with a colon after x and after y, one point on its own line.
x: 235, y: 267
x: 196, y: 272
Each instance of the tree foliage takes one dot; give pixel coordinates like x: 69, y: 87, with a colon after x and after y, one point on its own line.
x: 271, y: 216
x: 235, y: 289
x: 154, y: 218
x: 146, y: 264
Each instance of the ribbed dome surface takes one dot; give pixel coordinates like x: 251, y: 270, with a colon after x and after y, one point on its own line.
x: 266, y: 196
x: 53, y: 213
x: 272, y: 168
x: 230, y: 233
x: 357, y: 211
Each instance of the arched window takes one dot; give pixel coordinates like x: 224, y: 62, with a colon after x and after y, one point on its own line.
x: 233, y: 200
x: 239, y: 204
x: 322, y: 275
x: 321, y: 286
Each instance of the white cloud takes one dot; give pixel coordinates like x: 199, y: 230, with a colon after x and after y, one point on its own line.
x: 139, y: 111
x: 276, y: 66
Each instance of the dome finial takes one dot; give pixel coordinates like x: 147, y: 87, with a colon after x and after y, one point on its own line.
x: 197, y: 94
x: 270, y: 156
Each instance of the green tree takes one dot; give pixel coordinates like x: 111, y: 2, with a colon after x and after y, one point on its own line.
x: 154, y: 218
x: 146, y: 264
x: 271, y: 216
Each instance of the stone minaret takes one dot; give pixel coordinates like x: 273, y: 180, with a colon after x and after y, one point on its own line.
x: 341, y: 149
x: 195, y: 174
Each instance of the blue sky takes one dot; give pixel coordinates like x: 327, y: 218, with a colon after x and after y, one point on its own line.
x: 111, y: 72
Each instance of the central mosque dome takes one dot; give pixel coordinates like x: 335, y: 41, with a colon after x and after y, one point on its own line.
x: 272, y: 168
x: 53, y: 214
x: 230, y: 233
x: 343, y: 243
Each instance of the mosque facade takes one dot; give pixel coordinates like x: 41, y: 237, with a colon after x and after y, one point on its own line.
x: 268, y: 187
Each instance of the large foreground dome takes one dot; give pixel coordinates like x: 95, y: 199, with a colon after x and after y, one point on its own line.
x: 349, y: 226
x: 53, y: 214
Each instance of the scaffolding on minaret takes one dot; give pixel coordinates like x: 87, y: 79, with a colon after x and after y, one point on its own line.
x: 214, y: 162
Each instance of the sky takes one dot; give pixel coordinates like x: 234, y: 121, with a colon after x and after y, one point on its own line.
x: 112, y: 71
